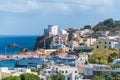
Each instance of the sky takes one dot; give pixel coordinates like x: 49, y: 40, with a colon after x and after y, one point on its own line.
x: 30, y: 17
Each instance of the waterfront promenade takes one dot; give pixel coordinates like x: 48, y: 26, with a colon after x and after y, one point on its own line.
x: 21, y: 55
x: 8, y: 57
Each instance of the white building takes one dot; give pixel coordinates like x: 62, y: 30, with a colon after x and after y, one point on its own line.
x: 80, y: 62
x: 5, y: 70
x: 85, y: 32
x: 70, y: 73
x: 63, y: 32
x: 53, y: 30
x: 116, y: 61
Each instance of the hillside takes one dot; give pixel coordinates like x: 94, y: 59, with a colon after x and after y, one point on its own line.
x: 109, y: 24
x: 43, y: 42
x: 106, y: 25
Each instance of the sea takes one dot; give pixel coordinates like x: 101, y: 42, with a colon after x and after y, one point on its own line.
x: 22, y: 41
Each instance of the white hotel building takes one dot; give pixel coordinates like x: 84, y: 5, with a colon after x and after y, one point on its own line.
x: 51, y: 31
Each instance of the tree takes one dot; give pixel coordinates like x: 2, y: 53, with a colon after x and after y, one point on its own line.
x: 115, y: 76
x: 28, y: 76
x: 106, y: 75
x: 12, y: 78
x: 105, y: 56
x: 108, y: 24
x: 58, y: 76
x: 98, y: 78
x: 113, y: 56
x: 114, y: 66
x: 43, y: 42
x: 70, y: 36
x: 103, y: 61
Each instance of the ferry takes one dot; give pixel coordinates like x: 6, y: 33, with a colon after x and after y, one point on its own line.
x: 29, y: 61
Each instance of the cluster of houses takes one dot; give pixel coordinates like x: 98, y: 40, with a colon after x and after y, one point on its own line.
x: 84, y: 44
x: 5, y: 71
x: 81, y: 38
x: 72, y: 56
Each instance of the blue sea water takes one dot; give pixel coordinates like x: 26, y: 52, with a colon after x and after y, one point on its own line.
x: 22, y: 41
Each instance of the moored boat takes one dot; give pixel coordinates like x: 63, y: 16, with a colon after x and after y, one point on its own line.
x: 29, y: 62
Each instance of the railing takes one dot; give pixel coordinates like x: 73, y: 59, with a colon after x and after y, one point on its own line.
x: 110, y: 69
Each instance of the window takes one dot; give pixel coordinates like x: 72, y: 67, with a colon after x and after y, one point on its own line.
x: 62, y: 71
x: 97, y: 46
x: 105, y: 47
x: 105, y: 42
x: 75, y: 71
x: 48, y: 71
x: 44, y: 71
x: 68, y: 78
x: 66, y: 72
x: 56, y: 68
x: 109, y: 42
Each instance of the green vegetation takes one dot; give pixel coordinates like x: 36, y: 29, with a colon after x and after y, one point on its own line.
x: 108, y: 24
x: 28, y: 76
x: 105, y: 56
x: 25, y: 76
x: 58, y: 76
x: 43, y: 42
x: 98, y: 78
x: 114, y: 66
x: 107, y: 76
x: 12, y: 78
x: 70, y: 35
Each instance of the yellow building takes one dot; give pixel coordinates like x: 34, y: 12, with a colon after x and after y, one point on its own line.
x: 98, y: 46
x: 87, y: 41
x: 84, y: 57
x: 103, y: 44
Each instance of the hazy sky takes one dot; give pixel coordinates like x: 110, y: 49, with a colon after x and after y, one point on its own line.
x: 30, y: 17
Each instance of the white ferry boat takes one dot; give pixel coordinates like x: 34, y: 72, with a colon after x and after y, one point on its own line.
x: 29, y: 62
